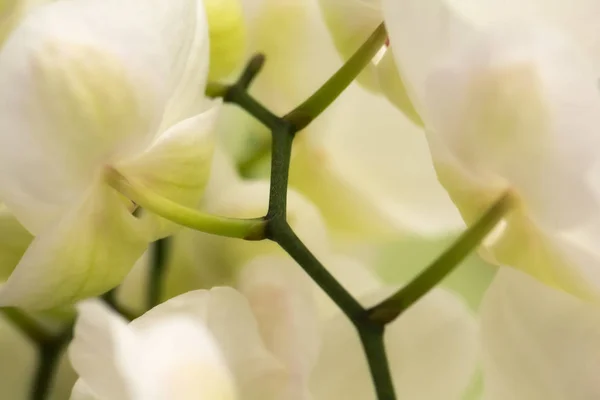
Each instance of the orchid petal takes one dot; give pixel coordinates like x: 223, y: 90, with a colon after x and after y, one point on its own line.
x: 89, y: 251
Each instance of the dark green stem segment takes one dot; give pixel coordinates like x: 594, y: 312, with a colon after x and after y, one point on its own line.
x: 280, y: 232
x: 26, y: 324
x: 390, y: 309
x: 372, y: 339
x: 306, y: 112
x: 110, y: 298
x: 49, y: 353
x: 158, y: 264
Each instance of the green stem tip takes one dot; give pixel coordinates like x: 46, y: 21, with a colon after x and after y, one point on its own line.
x: 248, y: 229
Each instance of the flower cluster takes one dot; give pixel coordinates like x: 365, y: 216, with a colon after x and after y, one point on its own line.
x: 306, y: 231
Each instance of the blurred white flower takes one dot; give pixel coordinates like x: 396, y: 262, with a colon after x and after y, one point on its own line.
x: 87, y: 84
x: 200, y: 345
x: 507, y: 108
x: 436, y: 339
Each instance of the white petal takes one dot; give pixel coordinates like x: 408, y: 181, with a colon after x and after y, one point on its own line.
x: 86, y: 253
x: 376, y: 169
x: 180, y: 360
x: 539, y: 343
x: 576, y: 19
x: 392, y: 85
x: 437, y: 337
x: 176, y: 165
x: 174, y: 357
x: 514, y: 109
x: 281, y: 297
x: 102, y: 350
x: 421, y: 32
x: 183, y: 27
x: 81, y: 82
x: 228, y: 317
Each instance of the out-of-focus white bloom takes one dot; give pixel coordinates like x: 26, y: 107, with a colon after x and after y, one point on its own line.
x: 506, y: 108
x: 437, y: 337
x: 538, y: 342
x: 85, y: 84
x: 204, y: 344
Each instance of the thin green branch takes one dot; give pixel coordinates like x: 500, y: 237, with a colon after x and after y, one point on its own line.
x: 283, y: 137
x: 248, y: 229
x: 31, y: 328
x: 306, y: 112
x: 110, y: 298
x: 372, y: 340
x: 49, y: 353
x: 160, y: 253
x: 391, y: 308
x: 280, y: 232
x: 237, y: 93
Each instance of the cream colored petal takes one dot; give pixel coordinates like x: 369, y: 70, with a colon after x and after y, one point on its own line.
x: 176, y: 165
x: 368, y: 168
x: 183, y: 28
x: 520, y: 106
x: 435, y: 339
x: 102, y: 351
x: 86, y: 253
x: 539, y: 343
x: 421, y: 33
x: 173, y: 357
x: 281, y: 297
x: 81, y: 82
x: 392, y: 86
x: 228, y: 317
x: 577, y: 19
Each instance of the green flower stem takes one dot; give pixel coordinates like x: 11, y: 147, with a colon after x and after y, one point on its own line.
x: 31, y: 328
x: 110, y: 298
x: 306, y: 112
x: 391, y: 308
x: 49, y: 353
x: 372, y: 340
x: 277, y: 228
x: 248, y: 229
x: 160, y: 254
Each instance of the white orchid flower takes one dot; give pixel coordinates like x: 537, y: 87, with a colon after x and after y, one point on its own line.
x: 506, y: 109
x: 438, y: 337
x: 200, y: 345
x: 86, y: 84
